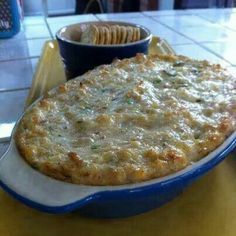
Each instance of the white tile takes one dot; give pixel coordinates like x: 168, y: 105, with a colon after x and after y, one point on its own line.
x: 17, y: 78
x: 225, y: 19
x: 33, y: 20
x: 232, y: 70
x: 189, y: 11
x: 216, y: 17
x: 230, y: 10
x: 158, y: 29
x: 3, y: 148
x: 210, y: 10
x: 12, y: 105
x: 114, y: 16
x: 31, y: 31
x: 36, y: 31
x: 172, y: 37
x: 208, y: 33
x: 226, y: 50
x: 12, y: 49
x: 56, y: 23
x: 179, y: 21
x: 34, y: 63
x: 35, y: 46
x: 69, y: 19
x: 166, y: 13
x: 199, y: 53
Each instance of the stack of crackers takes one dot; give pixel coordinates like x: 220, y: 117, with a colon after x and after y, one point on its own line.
x: 109, y: 34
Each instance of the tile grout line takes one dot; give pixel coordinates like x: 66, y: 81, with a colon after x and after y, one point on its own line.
x: 114, y: 19
x: 48, y: 27
x: 195, y: 42
x: 4, y: 142
x: 95, y: 15
x: 26, y: 39
x: 179, y: 44
x: 214, y: 53
x: 179, y: 14
x: 170, y: 28
x: 221, y: 25
x: 35, y: 38
x: 20, y: 59
x: 14, y: 90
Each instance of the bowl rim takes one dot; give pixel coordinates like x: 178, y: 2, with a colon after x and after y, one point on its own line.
x: 64, y: 39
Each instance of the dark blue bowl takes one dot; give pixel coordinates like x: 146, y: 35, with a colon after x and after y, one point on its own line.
x: 79, y: 57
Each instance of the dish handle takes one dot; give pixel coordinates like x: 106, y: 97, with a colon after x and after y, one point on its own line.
x: 40, y: 191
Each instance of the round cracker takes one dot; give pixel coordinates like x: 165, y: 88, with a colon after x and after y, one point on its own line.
x: 96, y: 34
x: 129, y: 34
x: 101, y: 35
x: 123, y: 34
x: 134, y: 34
x: 138, y: 34
x: 118, y: 34
x: 89, y: 35
x: 107, y: 35
x: 113, y: 30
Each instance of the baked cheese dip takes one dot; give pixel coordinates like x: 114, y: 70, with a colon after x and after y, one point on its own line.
x: 133, y: 120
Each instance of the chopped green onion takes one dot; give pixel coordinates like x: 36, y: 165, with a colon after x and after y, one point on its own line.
x: 199, y: 100
x: 105, y: 90
x: 156, y: 81
x: 95, y: 146
x: 129, y: 101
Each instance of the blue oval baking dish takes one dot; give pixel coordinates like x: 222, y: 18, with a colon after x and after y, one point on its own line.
x: 53, y: 196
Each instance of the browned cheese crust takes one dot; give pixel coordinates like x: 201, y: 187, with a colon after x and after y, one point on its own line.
x: 131, y: 121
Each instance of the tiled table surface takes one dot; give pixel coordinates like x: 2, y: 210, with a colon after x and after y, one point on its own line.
x: 201, y: 34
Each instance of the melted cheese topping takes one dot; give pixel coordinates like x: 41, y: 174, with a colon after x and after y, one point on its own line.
x: 130, y: 121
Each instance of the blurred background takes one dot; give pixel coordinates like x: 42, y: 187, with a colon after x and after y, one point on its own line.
x: 69, y: 7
